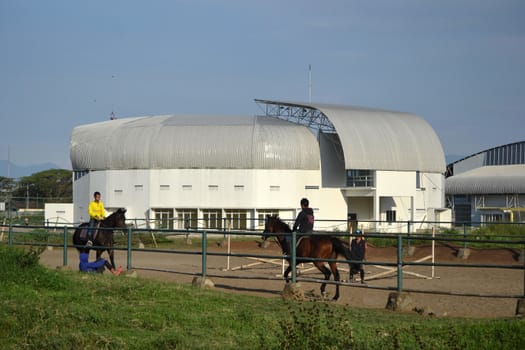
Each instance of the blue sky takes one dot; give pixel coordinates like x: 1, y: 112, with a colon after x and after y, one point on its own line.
x: 459, y: 64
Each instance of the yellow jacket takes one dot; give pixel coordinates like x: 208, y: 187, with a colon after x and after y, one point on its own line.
x: 96, y: 210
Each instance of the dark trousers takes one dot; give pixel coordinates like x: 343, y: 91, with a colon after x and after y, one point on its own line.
x: 92, y: 226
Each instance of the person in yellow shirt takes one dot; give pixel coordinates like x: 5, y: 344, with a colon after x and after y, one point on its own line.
x: 96, y: 214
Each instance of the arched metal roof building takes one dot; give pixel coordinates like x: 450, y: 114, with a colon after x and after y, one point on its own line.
x: 372, y: 139
x: 370, y: 164
x: 488, y: 186
x: 193, y: 142
x: 497, y: 170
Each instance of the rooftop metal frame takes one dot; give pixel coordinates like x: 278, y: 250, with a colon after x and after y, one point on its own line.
x: 305, y: 115
x: 308, y: 116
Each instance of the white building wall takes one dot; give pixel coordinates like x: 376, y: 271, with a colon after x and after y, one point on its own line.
x: 140, y: 190
x: 59, y: 214
x: 397, y: 190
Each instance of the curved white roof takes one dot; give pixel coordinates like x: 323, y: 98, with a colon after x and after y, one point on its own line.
x: 496, y: 179
x: 385, y: 140
x: 377, y: 139
x: 171, y: 142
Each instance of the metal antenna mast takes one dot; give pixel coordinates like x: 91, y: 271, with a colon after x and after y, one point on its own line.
x: 309, y: 83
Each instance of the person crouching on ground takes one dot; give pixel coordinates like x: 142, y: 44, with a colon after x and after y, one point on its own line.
x: 96, y: 266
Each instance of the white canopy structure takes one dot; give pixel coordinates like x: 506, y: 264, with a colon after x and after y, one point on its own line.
x: 194, y: 142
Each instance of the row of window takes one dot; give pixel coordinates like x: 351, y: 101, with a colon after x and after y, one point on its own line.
x: 212, y: 219
x: 212, y: 188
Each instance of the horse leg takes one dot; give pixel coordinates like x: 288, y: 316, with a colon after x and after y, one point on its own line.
x: 286, y: 272
x: 326, y: 272
x: 112, y: 257
x: 333, y: 267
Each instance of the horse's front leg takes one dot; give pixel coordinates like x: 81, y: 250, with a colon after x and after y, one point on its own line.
x: 112, y: 257
x: 326, y: 272
x: 287, y: 272
x: 333, y: 267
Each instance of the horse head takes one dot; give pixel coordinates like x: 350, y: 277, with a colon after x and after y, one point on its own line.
x: 117, y: 219
x: 274, y: 226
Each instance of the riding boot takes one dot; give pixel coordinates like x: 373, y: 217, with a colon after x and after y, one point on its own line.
x: 362, y: 274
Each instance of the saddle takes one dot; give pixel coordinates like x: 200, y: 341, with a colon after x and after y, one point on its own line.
x: 84, y: 233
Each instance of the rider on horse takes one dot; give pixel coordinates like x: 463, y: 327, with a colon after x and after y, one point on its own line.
x: 304, y: 223
x: 96, y: 214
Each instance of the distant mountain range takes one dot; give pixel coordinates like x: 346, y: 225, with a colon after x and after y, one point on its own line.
x: 17, y: 171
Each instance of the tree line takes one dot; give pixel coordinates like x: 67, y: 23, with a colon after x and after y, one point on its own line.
x: 53, y: 185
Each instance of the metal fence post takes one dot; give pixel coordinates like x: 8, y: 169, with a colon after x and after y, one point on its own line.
x: 10, y: 234
x: 65, y: 246
x: 294, y: 257
x: 408, y: 235
x: 465, y: 236
x: 204, y: 255
x: 129, y: 249
x: 399, y: 263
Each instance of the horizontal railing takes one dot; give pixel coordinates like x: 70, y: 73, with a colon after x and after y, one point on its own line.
x: 42, y: 236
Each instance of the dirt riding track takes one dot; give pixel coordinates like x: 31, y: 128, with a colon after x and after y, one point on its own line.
x: 250, y: 276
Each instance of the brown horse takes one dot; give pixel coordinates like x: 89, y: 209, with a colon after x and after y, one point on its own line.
x: 103, y: 237
x: 313, y: 246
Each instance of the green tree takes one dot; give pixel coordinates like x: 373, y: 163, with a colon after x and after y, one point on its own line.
x: 7, y: 184
x: 55, y: 185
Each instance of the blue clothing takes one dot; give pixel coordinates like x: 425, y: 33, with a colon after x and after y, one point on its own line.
x: 95, y: 266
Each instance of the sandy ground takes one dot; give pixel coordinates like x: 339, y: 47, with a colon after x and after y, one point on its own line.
x: 472, y: 291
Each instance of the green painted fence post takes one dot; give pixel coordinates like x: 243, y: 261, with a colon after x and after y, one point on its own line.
x: 408, y: 235
x: 204, y: 255
x: 465, y: 236
x: 399, y: 263
x: 10, y: 234
x: 129, y: 248
x: 65, y: 246
x: 294, y: 257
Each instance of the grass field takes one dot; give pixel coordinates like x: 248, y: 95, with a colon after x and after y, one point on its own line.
x: 48, y: 309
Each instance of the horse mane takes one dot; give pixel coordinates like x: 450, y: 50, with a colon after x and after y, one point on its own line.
x: 284, y: 225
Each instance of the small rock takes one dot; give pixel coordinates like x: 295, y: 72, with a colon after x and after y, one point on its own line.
x: 202, y: 283
x: 293, y: 291
x: 131, y: 273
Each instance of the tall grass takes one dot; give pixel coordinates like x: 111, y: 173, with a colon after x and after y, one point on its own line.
x: 47, y: 309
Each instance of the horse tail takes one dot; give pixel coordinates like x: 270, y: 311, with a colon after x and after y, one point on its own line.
x: 341, y: 248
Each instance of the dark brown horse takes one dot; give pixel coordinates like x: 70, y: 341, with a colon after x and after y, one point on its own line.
x: 314, y: 246
x: 104, y: 235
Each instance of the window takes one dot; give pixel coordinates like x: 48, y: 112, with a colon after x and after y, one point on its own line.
x: 212, y: 219
x: 359, y: 178
x: 213, y: 187
x: 139, y: 187
x: 164, y: 218
x: 238, y: 187
x: 78, y: 174
x: 275, y: 188
x: 186, y: 218
x: 164, y: 187
x: 187, y: 187
x: 263, y: 213
x: 236, y: 219
x: 311, y: 187
x: 391, y: 215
